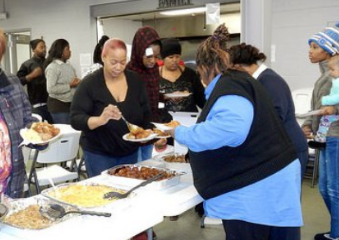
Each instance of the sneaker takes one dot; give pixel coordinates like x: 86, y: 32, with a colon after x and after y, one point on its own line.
x: 322, y: 236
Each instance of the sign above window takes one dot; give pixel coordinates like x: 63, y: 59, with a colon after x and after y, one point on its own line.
x: 173, y: 3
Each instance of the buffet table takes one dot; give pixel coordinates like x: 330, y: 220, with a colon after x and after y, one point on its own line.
x: 147, y: 209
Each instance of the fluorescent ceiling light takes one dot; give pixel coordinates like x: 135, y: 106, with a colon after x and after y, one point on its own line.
x: 184, y: 11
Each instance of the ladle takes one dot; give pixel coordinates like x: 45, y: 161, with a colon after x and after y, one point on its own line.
x: 117, y: 195
x: 57, y: 211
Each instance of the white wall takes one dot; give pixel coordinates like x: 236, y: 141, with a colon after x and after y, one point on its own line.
x: 293, y: 23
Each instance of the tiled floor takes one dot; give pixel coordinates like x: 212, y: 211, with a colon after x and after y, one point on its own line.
x: 187, y: 227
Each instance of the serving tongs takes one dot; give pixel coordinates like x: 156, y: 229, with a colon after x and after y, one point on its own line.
x: 55, y: 211
x: 117, y: 195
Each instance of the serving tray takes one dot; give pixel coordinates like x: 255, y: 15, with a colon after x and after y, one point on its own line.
x: 99, y: 203
x: 131, y: 182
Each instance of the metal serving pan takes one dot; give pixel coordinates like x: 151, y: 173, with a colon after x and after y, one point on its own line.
x: 131, y: 182
x: 34, y: 221
x: 182, y: 167
x: 112, y: 206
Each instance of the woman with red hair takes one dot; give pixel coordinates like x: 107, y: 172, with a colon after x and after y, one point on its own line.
x: 100, y: 100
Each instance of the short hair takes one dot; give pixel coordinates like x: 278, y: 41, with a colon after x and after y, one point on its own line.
x: 34, y: 43
x: 112, y: 44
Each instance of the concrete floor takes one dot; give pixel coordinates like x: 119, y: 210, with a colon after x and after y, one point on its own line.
x: 187, y: 227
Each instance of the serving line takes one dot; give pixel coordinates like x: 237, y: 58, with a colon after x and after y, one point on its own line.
x: 147, y: 209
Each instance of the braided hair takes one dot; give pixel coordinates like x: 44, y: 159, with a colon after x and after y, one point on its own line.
x: 245, y: 54
x: 212, y: 56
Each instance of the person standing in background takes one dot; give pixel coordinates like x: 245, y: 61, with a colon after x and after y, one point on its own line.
x: 97, y: 61
x: 15, y: 114
x: 176, y: 78
x: 61, y: 81
x: 32, y: 74
x: 146, y: 47
x: 323, y: 45
x: 248, y: 58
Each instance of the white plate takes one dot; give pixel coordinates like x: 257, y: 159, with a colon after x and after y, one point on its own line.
x: 27, y: 141
x: 315, y: 112
x: 150, y: 137
x: 162, y: 126
x: 176, y: 95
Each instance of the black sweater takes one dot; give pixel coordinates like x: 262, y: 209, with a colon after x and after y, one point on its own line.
x: 266, y: 150
x: 92, y: 96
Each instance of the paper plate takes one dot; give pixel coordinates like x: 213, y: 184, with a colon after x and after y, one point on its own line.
x: 177, y: 95
x: 150, y: 137
x: 27, y: 141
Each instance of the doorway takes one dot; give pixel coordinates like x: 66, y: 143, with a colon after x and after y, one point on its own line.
x: 17, y: 50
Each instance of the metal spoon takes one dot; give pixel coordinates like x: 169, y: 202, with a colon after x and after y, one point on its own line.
x: 132, y: 128
x: 117, y: 195
x: 57, y: 211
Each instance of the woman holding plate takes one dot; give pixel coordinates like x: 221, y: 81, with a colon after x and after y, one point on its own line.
x: 100, y: 100
x: 181, y: 86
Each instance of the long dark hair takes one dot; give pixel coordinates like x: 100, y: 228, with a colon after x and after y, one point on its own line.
x: 212, y: 53
x: 98, y: 50
x: 56, y: 50
x: 245, y: 54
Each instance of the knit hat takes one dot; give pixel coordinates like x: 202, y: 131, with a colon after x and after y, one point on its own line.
x: 328, y: 39
x: 35, y: 43
x: 170, y: 47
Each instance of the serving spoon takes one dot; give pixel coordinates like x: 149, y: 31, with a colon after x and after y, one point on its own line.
x: 57, y: 211
x: 117, y: 195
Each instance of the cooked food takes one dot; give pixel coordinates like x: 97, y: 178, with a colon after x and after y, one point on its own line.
x: 29, y: 218
x: 172, y: 123
x: 143, y: 173
x: 140, y: 133
x: 160, y: 133
x: 83, y: 195
x: 41, y: 131
x: 175, y: 158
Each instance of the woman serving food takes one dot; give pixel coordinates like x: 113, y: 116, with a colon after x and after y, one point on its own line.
x: 99, y: 102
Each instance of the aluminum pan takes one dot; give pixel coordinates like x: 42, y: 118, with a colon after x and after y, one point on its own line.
x: 112, y: 206
x: 131, y: 182
x: 21, y: 204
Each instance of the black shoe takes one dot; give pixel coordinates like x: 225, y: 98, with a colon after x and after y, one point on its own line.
x: 321, y: 236
x: 317, y: 145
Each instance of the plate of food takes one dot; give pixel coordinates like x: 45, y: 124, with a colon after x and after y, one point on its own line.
x: 146, y: 136
x: 166, y: 126
x: 39, y: 133
x: 161, y: 134
x: 177, y: 94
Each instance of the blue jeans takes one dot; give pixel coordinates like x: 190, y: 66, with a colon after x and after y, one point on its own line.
x: 329, y: 181
x: 61, y: 118
x: 145, y: 152
x: 96, y: 163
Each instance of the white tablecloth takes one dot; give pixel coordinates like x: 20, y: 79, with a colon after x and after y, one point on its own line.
x: 147, y: 209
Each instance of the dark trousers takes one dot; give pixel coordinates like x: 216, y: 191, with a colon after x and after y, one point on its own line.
x: 44, y: 113
x: 241, y: 230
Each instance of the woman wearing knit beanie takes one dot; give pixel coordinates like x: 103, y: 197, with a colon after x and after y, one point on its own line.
x: 181, y: 86
x: 323, y: 46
